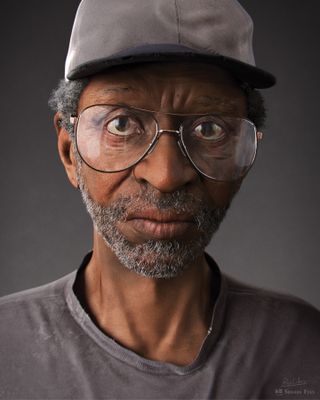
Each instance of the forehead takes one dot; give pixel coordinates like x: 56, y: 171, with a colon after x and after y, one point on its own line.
x: 167, y: 87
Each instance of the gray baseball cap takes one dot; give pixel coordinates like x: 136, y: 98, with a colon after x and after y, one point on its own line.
x: 108, y: 33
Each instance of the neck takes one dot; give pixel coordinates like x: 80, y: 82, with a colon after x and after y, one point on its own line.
x: 150, y: 316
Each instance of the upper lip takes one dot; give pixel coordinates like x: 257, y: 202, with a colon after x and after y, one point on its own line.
x: 161, y: 216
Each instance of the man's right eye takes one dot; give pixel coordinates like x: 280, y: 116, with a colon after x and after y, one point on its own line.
x: 123, y: 126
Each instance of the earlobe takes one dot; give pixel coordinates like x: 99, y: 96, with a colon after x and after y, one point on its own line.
x: 65, y: 149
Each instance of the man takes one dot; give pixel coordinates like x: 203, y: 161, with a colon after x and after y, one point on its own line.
x: 157, y: 125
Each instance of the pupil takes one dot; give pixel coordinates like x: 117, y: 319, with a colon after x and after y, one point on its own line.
x: 121, y: 124
x: 207, y: 129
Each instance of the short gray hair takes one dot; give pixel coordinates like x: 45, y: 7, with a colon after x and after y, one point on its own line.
x: 65, y: 99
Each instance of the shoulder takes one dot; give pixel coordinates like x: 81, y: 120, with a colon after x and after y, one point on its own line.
x: 264, y: 298
x: 51, y: 289
x: 271, y: 313
x: 257, y: 304
x: 35, y: 332
x: 30, y: 307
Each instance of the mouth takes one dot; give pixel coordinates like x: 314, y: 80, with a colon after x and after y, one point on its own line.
x: 161, y: 225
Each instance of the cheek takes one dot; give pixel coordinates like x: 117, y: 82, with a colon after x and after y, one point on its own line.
x: 103, y: 187
x: 221, y: 193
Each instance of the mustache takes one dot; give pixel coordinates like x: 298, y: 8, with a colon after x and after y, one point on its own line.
x: 178, y: 202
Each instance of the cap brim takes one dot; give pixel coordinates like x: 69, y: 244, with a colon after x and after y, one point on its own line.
x: 254, y: 76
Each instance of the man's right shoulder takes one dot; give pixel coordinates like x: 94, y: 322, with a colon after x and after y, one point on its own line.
x: 29, y: 308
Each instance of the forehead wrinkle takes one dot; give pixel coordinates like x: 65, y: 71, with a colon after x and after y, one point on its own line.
x: 179, y: 97
x: 149, y: 94
x: 118, y: 89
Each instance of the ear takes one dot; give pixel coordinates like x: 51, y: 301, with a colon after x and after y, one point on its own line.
x: 66, y: 149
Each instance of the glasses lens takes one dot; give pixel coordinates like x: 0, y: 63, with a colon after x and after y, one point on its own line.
x: 222, y: 148
x: 112, y: 138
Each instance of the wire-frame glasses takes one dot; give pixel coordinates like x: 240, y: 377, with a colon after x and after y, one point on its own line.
x: 113, y: 138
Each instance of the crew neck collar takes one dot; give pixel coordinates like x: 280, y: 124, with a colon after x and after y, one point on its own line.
x: 129, y: 357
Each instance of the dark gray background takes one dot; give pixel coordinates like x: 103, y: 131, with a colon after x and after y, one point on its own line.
x: 271, y: 235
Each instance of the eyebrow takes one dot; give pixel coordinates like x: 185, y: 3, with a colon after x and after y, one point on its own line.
x: 224, y: 104
x: 120, y: 89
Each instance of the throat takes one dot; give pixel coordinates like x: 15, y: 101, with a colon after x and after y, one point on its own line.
x: 163, y: 320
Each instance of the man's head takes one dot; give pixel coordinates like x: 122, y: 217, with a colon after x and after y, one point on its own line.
x: 157, y: 151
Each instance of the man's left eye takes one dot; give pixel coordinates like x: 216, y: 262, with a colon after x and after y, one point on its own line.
x: 209, y: 130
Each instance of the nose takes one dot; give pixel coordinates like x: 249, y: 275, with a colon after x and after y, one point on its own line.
x: 166, y: 168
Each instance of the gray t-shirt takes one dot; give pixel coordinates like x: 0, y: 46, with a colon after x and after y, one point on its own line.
x: 261, y: 345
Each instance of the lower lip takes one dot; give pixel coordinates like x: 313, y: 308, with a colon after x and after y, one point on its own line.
x: 160, y: 230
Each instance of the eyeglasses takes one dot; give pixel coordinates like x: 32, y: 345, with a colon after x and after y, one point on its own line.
x: 113, y: 138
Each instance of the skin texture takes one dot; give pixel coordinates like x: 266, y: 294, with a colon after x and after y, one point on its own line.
x: 152, y: 316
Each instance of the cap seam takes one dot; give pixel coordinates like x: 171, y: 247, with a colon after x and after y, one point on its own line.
x: 177, y: 20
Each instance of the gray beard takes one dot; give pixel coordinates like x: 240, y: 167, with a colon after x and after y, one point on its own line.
x: 154, y: 258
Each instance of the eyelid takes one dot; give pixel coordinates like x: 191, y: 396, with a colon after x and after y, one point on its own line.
x: 208, y: 118
x: 135, y: 120
x: 106, y: 118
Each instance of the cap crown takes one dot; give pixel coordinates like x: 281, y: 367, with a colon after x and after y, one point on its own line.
x: 113, y: 32
x: 103, y: 28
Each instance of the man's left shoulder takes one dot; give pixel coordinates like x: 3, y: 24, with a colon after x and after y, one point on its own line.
x: 276, y: 335
x: 266, y: 307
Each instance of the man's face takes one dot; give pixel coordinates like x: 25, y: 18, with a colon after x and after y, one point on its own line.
x: 158, y: 216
